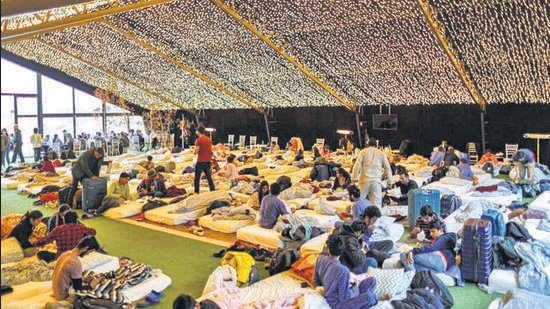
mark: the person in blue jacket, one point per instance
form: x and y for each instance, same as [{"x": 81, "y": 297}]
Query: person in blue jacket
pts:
[
  {"x": 524, "y": 164},
  {"x": 335, "y": 279},
  {"x": 438, "y": 256},
  {"x": 465, "y": 170}
]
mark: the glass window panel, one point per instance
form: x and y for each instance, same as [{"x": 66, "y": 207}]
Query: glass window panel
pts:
[
  {"x": 27, "y": 106},
  {"x": 86, "y": 103},
  {"x": 136, "y": 123},
  {"x": 88, "y": 125},
  {"x": 26, "y": 125},
  {"x": 56, "y": 125},
  {"x": 111, "y": 108},
  {"x": 17, "y": 79},
  {"x": 117, "y": 124},
  {"x": 57, "y": 98},
  {"x": 7, "y": 112}
]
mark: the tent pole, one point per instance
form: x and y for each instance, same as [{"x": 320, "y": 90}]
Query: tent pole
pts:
[
  {"x": 358, "y": 130},
  {"x": 482, "y": 115},
  {"x": 267, "y": 129}
]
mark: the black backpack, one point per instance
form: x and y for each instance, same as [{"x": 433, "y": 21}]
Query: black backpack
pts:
[
  {"x": 284, "y": 182},
  {"x": 282, "y": 260},
  {"x": 504, "y": 254},
  {"x": 439, "y": 173},
  {"x": 517, "y": 232},
  {"x": 63, "y": 194},
  {"x": 429, "y": 279},
  {"x": 488, "y": 168},
  {"x": 249, "y": 171}
]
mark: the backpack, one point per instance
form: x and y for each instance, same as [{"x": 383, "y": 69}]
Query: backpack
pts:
[
  {"x": 518, "y": 232},
  {"x": 439, "y": 173},
  {"x": 488, "y": 168},
  {"x": 285, "y": 182},
  {"x": 63, "y": 195},
  {"x": 449, "y": 203},
  {"x": 429, "y": 279},
  {"x": 282, "y": 260},
  {"x": 249, "y": 171},
  {"x": 320, "y": 172},
  {"x": 49, "y": 188},
  {"x": 245, "y": 266},
  {"x": 504, "y": 254}
]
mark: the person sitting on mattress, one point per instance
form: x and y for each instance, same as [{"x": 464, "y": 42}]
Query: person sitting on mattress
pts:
[
  {"x": 23, "y": 231},
  {"x": 427, "y": 215},
  {"x": 117, "y": 193},
  {"x": 272, "y": 207},
  {"x": 354, "y": 254},
  {"x": 257, "y": 196},
  {"x": 147, "y": 164},
  {"x": 465, "y": 170},
  {"x": 231, "y": 170},
  {"x": 438, "y": 256},
  {"x": 66, "y": 237},
  {"x": 405, "y": 184},
  {"x": 58, "y": 218},
  {"x": 437, "y": 156},
  {"x": 450, "y": 158},
  {"x": 68, "y": 269},
  {"x": 152, "y": 185},
  {"x": 359, "y": 203},
  {"x": 342, "y": 180},
  {"x": 335, "y": 279},
  {"x": 376, "y": 249}
]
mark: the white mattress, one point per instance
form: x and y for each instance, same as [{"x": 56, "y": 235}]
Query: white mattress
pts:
[
  {"x": 314, "y": 245},
  {"x": 158, "y": 282},
  {"x": 448, "y": 188},
  {"x": 162, "y": 215},
  {"x": 128, "y": 209},
  {"x": 224, "y": 226},
  {"x": 531, "y": 226},
  {"x": 340, "y": 206},
  {"x": 500, "y": 200},
  {"x": 98, "y": 262},
  {"x": 7, "y": 183},
  {"x": 502, "y": 280},
  {"x": 542, "y": 203},
  {"x": 316, "y": 219},
  {"x": 485, "y": 179},
  {"x": 258, "y": 235},
  {"x": 396, "y": 231}
]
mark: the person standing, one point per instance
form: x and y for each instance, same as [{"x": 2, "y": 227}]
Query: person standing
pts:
[
  {"x": 367, "y": 171},
  {"x": 87, "y": 165},
  {"x": 17, "y": 144},
  {"x": 36, "y": 141},
  {"x": 5, "y": 147},
  {"x": 203, "y": 149}
]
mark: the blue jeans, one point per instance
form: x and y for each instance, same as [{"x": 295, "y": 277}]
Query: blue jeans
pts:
[
  {"x": 429, "y": 260},
  {"x": 362, "y": 268}
]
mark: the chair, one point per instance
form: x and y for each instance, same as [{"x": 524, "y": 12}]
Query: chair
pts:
[
  {"x": 230, "y": 140},
  {"x": 114, "y": 148},
  {"x": 77, "y": 147},
  {"x": 472, "y": 153},
  {"x": 509, "y": 151},
  {"x": 252, "y": 142},
  {"x": 242, "y": 140},
  {"x": 274, "y": 139},
  {"x": 320, "y": 141}
]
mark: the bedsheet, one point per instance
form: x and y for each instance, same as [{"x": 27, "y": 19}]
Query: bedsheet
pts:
[
  {"x": 163, "y": 215},
  {"x": 223, "y": 226},
  {"x": 316, "y": 219},
  {"x": 340, "y": 205},
  {"x": 503, "y": 280},
  {"x": 449, "y": 188},
  {"x": 542, "y": 203},
  {"x": 531, "y": 226},
  {"x": 504, "y": 198},
  {"x": 314, "y": 245},
  {"x": 258, "y": 235}
]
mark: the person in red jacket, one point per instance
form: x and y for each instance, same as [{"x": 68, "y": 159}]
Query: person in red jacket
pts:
[{"x": 203, "y": 149}]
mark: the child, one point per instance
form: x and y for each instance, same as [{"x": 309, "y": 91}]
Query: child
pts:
[{"x": 427, "y": 215}]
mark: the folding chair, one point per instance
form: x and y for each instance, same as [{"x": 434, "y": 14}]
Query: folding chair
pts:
[
  {"x": 472, "y": 153},
  {"x": 242, "y": 140},
  {"x": 509, "y": 151},
  {"x": 320, "y": 141},
  {"x": 230, "y": 140},
  {"x": 252, "y": 142}
]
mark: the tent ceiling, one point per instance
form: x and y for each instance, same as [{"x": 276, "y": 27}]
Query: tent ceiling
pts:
[{"x": 271, "y": 53}]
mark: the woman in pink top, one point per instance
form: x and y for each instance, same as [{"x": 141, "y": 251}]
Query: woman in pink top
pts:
[{"x": 231, "y": 170}]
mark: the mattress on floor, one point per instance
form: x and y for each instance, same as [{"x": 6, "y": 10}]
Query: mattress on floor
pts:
[
  {"x": 163, "y": 215},
  {"x": 340, "y": 206},
  {"x": 531, "y": 226},
  {"x": 317, "y": 219},
  {"x": 98, "y": 262},
  {"x": 445, "y": 188},
  {"x": 279, "y": 170},
  {"x": 258, "y": 235},
  {"x": 504, "y": 199},
  {"x": 158, "y": 282},
  {"x": 503, "y": 280},
  {"x": 395, "y": 210},
  {"x": 129, "y": 208},
  {"x": 485, "y": 179},
  {"x": 8, "y": 183},
  {"x": 314, "y": 245},
  {"x": 391, "y": 231},
  {"x": 224, "y": 226},
  {"x": 241, "y": 197},
  {"x": 542, "y": 203}
]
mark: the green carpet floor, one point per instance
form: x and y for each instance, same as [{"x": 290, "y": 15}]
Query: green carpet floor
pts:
[{"x": 187, "y": 262}]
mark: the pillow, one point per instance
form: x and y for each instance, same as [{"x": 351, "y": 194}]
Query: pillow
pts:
[
  {"x": 391, "y": 281},
  {"x": 325, "y": 208},
  {"x": 303, "y": 268}
]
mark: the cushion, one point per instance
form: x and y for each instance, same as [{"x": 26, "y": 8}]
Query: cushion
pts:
[
  {"x": 325, "y": 208},
  {"x": 304, "y": 267},
  {"x": 391, "y": 281}
]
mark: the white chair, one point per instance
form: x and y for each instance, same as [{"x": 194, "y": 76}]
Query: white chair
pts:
[
  {"x": 230, "y": 140},
  {"x": 77, "y": 147},
  {"x": 509, "y": 151},
  {"x": 472, "y": 153},
  {"x": 320, "y": 141},
  {"x": 242, "y": 140},
  {"x": 114, "y": 148},
  {"x": 252, "y": 142},
  {"x": 274, "y": 139}
]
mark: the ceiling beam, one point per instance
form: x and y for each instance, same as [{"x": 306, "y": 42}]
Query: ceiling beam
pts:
[
  {"x": 113, "y": 75},
  {"x": 17, "y": 7},
  {"x": 250, "y": 25},
  {"x": 74, "y": 15},
  {"x": 202, "y": 77},
  {"x": 455, "y": 60}
]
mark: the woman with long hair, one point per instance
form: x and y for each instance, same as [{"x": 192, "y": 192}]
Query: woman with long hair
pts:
[
  {"x": 255, "y": 199},
  {"x": 23, "y": 230}
]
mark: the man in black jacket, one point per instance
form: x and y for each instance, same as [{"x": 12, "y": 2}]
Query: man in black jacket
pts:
[
  {"x": 353, "y": 256},
  {"x": 88, "y": 165}
]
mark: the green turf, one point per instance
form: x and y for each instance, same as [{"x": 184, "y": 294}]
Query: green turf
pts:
[{"x": 187, "y": 262}]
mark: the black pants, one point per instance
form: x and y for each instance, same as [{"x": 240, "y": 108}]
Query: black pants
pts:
[
  {"x": 37, "y": 154},
  {"x": 74, "y": 188},
  {"x": 17, "y": 151},
  {"x": 379, "y": 251},
  {"x": 201, "y": 167}
]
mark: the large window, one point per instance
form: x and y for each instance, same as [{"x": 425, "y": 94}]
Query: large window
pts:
[
  {"x": 86, "y": 103},
  {"x": 7, "y": 112},
  {"x": 17, "y": 79},
  {"x": 26, "y": 106},
  {"x": 57, "y": 98},
  {"x": 111, "y": 108},
  {"x": 89, "y": 125},
  {"x": 56, "y": 125},
  {"x": 26, "y": 125}
]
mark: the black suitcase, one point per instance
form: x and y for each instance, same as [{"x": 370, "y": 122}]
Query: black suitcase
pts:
[
  {"x": 477, "y": 253},
  {"x": 93, "y": 192}
]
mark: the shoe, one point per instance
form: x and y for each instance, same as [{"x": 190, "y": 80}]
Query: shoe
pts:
[
  {"x": 220, "y": 253},
  {"x": 157, "y": 294},
  {"x": 152, "y": 299},
  {"x": 199, "y": 231}
]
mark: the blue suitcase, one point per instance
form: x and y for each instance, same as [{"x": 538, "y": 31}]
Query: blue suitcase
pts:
[
  {"x": 449, "y": 203},
  {"x": 420, "y": 197},
  {"x": 544, "y": 185},
  {"x": 477, "y": 252},
  {"x": 93, "y": 192},
  {"x": 498, "y": 228}
]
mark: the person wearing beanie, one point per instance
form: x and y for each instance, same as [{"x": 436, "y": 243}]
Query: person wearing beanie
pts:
[{"x": 87, "y": 165}]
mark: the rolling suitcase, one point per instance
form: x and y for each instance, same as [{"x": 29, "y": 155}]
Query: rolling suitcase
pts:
[
  {"x": 93, "y": 192},
  {"x": 498, "y": 228},
  {"x": 477, "y": 252},
  {"x": 420, "y": 197},
  {"x": 449, "y": 203}
]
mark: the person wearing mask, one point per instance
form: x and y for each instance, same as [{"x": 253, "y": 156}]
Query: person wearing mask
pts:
[
  {"x": 255, "y": 199},
  {"x": 354, "y": 254},
  {"x": 68, "y": 269},
  {"x": 272, "y": 207},
  {"x": 17, "y": 145},
  {"x": 367, "y": 171},
  {"x": 342, "y": 180},
  {"x": 88, "y": 165},
  {"x": 23, "y": 231},
  {"x": 335, "y": 278},
  {"x": 203, "y": 150},
  {"x": 405, "y": 184},
  {"x": 36, "y": 142},
  {"x": 5, "y": 147},
  {"x": 152, "y": 185},
  {"x": 438, "y": 256}
]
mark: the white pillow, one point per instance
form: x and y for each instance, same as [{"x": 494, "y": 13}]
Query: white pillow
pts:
[
  {"x": 325, "y": 208},
  {"x": 391, "y": 281}
]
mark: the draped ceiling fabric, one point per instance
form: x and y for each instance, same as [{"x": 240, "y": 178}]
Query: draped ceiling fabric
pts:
[{"x": 197, "y": 54}]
